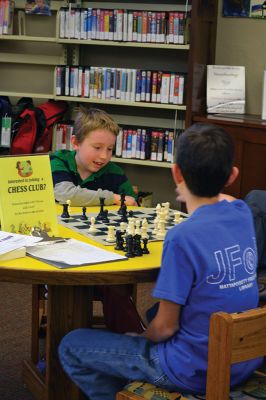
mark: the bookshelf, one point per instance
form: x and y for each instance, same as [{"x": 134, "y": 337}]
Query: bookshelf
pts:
[
  {"x": 249, "y": 135},
  {"x": 26, "y": 58}
]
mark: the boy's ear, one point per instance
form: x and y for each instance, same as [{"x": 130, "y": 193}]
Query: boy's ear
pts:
[
  {"x": 177, "y": 174},
  {"x": 233, "y": 176},
  {"x": 74, "y": 142}
]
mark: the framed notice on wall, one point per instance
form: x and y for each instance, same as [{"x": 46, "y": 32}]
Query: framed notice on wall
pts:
[
  {"x": 225, "y": 89},
  {"x": 27, "y": 204}
]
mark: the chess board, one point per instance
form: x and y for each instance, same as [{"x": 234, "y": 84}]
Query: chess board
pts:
[{"x": 78, "y": 225}]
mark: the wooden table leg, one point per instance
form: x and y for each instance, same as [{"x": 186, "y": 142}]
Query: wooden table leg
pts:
[{"x": 69, "y": 307}]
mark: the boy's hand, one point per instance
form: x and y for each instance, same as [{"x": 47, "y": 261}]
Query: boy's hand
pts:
[{"x": 130, "y": 201}]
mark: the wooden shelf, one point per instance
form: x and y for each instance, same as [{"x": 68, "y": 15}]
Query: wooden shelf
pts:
[
  {"x": 146, "y": 163},
  {"x": 25, "y": 94},
  {"x": 125, "y": 44},
  {"x": 30, "y": 59},
  {"x": 25, "y": 38},
  {"x": 122, "y": 103}
]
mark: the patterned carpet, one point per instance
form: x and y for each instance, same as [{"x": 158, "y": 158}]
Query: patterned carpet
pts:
[{"x": 15, "y": 312}]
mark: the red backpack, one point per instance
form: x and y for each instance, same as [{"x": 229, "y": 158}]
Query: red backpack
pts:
[{"x": 33, "y": 130}]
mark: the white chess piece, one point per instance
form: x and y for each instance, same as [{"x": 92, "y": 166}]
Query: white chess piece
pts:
[
  {"x": 69, "y": 204},
  {"x": 156, "y": 224},
  {"x": 123, "y": 226},
  {"x": 111, "y": 234},
  {"x": 158, "y": 208},
  {"x": 161, "y": 230},
  {"x": 137, "y": 228},
  {"x": 166, "y": 209},
  {"x": 178, "y": 218},
  {"x": 92, "y": 228},
  {"x": 131, "y": 227},
  {"x": 144, "y": 232}
]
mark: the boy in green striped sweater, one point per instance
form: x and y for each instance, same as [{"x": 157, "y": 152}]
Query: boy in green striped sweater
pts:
[{"x": 85, "y": 174}]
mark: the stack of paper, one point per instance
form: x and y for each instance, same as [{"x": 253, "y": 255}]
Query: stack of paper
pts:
[
  {"x": 70, "y": 252},
  {"x": 13, "y": 245}
]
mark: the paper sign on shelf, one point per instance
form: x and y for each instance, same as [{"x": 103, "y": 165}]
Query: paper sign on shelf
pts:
[{"x": 225, "y": 89}]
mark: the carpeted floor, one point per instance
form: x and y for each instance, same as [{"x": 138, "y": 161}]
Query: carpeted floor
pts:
[{"x": 15, "y": 312}]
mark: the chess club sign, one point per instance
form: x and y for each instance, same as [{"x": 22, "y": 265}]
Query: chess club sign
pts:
[{"x": 27, "y": 201}]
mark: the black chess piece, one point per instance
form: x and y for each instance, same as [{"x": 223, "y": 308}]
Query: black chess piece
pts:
[
  {"x": 105, "y": 218},
  {"x": 122, "y": 203},
  {"x": 124, "y": 214},
  {"x": 84, "y": 216},
  {"x": 131, "y": 213},
  {"x": 145, "y": 249},
  {"x": 101, "y": 213},
  {"x": 137, "y": 246},
  {"x": 119, "y": 240},
  {"x": 130, "y": 246},
  {"x": 65, "y": 213}
]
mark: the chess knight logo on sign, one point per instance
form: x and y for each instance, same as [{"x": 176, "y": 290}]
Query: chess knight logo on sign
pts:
[{"x": 24, "y": 168}]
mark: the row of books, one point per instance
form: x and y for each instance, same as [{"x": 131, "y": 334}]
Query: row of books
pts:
[
  {"x": 132, "y": 142},
  {"x": 132, "y": 85},
  {"x": 146, "y": 144},
  {"x": 123, "y": 25},
  {"x": 6, "y": 16}
]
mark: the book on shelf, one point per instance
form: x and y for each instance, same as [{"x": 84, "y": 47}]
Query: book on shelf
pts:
[{"x": 6, "y": 17}]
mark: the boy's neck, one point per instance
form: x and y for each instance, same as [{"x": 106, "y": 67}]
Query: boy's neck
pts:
[{"x": 194, "y": 202}]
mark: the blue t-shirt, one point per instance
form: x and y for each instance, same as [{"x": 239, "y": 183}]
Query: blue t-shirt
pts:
[{"x": 209, "y": 264}]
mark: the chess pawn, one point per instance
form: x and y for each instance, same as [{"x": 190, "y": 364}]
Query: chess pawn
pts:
[
  {"x": 178, "y": 217},
  {"x": 92, "y": 228},
  {"x": 111, "y": 234}
]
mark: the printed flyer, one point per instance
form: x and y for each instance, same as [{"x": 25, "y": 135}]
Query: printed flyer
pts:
[
  {"x": 226, "y": 89},
  {"x": 27, "y": 204}
]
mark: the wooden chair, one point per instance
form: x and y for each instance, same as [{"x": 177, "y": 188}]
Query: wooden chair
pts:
[{"x": 233, "y": 338}]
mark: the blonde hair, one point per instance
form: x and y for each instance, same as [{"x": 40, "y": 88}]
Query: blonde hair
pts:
[{"x": 88, "y": 120}]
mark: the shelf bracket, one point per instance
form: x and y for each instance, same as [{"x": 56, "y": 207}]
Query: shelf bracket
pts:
[{"x": 21, "y": 23}]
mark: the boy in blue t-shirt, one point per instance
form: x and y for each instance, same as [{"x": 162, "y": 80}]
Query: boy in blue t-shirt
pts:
[{"x": 208, "y": 264}]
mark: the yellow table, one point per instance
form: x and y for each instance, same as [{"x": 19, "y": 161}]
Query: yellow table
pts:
[{"x": 70, "y": 305}]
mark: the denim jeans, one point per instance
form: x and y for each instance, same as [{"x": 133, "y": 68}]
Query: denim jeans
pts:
[{"x": 101, "y": 362}]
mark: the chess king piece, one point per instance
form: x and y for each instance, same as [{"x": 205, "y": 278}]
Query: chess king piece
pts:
[
  {"x": 101, "y": 214},
  {"x": 122, "y": 203}
]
